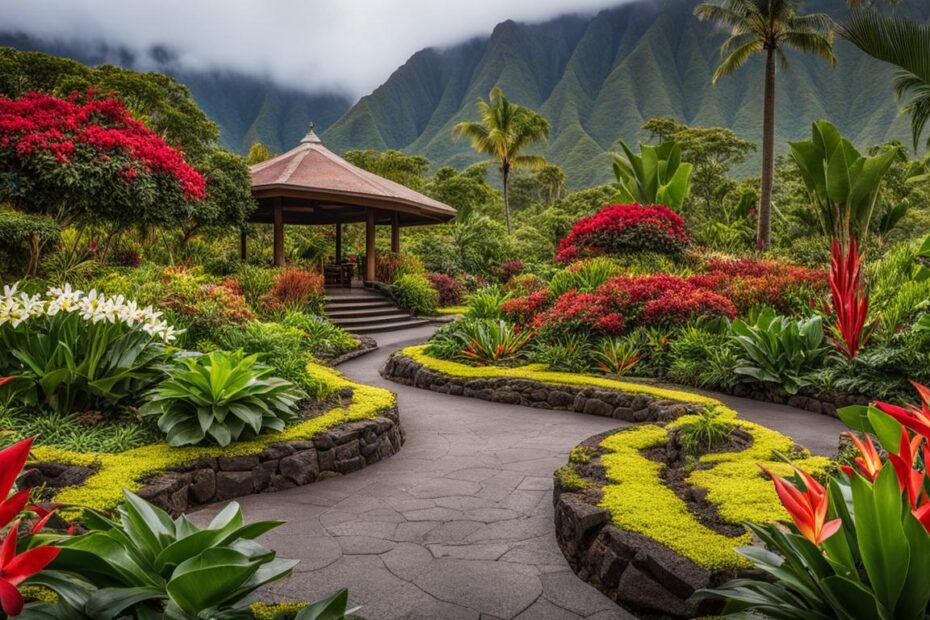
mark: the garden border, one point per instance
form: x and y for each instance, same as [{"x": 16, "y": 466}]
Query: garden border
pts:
[{"x": 343, "y": 439}]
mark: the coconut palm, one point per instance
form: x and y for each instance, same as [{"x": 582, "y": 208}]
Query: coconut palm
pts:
[
  {"x": 504, "y": 131},
  {"x": 767, "y": 27},
  {"x": 904, "y": 43}
]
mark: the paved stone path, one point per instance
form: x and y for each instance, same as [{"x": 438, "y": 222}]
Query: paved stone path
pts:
[{"x": 459, "y": 524}]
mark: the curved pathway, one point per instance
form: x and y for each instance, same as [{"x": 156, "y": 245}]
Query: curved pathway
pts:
[{"x": 459, "y": 524}]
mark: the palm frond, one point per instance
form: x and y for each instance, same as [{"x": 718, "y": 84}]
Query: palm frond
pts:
[
  {"x": 737, "y": 59},
  {"x": 722, "y": 14},
  {"x": 528, "y": 161},
  {"x": 810, "y": 43}
]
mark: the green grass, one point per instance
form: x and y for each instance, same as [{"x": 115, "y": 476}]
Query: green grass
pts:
[{"x": 66, "y": 431}]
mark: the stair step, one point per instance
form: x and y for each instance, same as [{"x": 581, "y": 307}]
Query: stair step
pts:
[
  {"x": 371, "y": 320},
  {"x": 353, "y": 297},
  {"x": 373, "y": 303},
  {"x": 390, "y": 327},
  {"x": 353, "y": 313}
]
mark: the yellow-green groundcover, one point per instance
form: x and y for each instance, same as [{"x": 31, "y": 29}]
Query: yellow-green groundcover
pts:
[
  {"x": 103, "y": 490},
  {"x": 635, "y": 495}
]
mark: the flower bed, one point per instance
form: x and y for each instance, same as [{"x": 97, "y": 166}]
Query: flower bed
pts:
[
  {"x": 630, "y": 518},
  {"x": 343, "y": 439}
]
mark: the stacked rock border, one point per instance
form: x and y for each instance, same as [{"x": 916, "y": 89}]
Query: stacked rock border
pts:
[{"x": 530, "y": 393}]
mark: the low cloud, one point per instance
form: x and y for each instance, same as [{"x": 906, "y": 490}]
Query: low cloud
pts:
[{"x": 348, "y": 46}]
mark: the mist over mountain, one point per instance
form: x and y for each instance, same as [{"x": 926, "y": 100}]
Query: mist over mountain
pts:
[
  {"x": 247, "y": 108},
  {"x": 596, "y": 78}
]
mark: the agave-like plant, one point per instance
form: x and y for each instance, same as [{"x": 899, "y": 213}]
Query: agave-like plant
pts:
[
  {"x": 222, "y": 396},
  {"x": 493, "y": 342},
  {"x": 616, "y": 356}
]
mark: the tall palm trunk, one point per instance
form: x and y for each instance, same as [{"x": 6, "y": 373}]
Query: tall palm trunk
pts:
[
  {"x": 505, "y": 176},
  {"x": 764, "y": 236}
]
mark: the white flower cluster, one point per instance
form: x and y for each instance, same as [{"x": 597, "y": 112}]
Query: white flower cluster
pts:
[{"x": 17, "y": 307}]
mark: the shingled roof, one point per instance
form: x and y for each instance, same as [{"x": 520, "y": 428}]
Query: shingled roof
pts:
[{"x": 320, "y": 187}]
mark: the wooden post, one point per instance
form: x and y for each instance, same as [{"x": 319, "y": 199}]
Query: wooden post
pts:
[
  {"x": 278, "y": 234},
  {"x": 395, "y": 232},
  {"x": 370, "y": 246},
  {"x": 338, "y": 244},
  {"x": 242, "y": 245}
]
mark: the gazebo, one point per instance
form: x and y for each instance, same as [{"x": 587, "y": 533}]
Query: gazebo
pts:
[{"x": 311, "y": 185}]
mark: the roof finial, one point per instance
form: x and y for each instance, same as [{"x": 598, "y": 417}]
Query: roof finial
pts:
[{"x": 311, "y": 136}]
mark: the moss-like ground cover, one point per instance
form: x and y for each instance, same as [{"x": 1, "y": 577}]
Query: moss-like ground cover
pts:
[
  {"x": 635, "y": 495},
  {"x": 103, "y": 490}
]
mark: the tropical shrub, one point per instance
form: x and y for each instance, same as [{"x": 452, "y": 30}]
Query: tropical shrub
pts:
[
  {"x": 143, "y": 564},
  {"x": 221, "y": 397},
  {"x": 522, "y": 310},
  {"x": 523, "y": 284},
  {"x": 616, "y": 356},
  {"x": 493, "y": 342},
  {"x": 842, "y": 184},
  {"x": 322, "y": 338},
  {"x": 619, "y": 229},
  {"x": 486, "y": 303},
  {"x": 21, "y": 557},
  {"x": 296, "y": 289},
  {"x": 22, "y": 237},
  {"x": 703, "y": 358},
  {"x": 81, "y": 158},
  {"x": 568, "y": 352},
  {"x": 585, "y": 276},
  {"x": 508, "y": 270},
  {"x": 779, "y": 352},
  {"x": 749, "y": 282},
  {"x": 255, "y": 283},
  {"x": 842, "y": 555},
  {"x": 656, "y": 176},
  {"x": 415, "y": 293},
  {"x": 849, "y": 300},
  {"x": 447, "y": 288},
  {"x": 389, "y": 266},
  {"x": 74, "y": 351}
]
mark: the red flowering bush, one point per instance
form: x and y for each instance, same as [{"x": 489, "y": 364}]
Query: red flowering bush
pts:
[
  {"x": 448, "y": 289},
  {"x": 84, "y": 156},
  {"x": 587, "y": 311},
  {"x": 617, "y": 229},
  {"x": 522, "y": 310},
  {"x": 749, "y": 282}
]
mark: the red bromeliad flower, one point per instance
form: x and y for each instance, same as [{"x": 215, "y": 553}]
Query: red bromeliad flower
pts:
[
  {"x": 849, "y": 299},
  {"x": 868, "y": 463},
  {"x": 911, "y": 480},
  {"x": 913, "y": 417},
  {"x": 16, "y": 568},
  {"x": 808, "y": 508}
]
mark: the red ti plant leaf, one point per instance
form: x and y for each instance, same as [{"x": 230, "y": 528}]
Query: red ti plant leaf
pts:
[
  {"x": 807, "y": 508},
  {"x": 849, "y": 300}
]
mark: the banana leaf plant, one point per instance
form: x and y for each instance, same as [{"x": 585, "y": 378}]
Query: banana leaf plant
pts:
[
  {"x": 843, "y": 185},
  {"x": 141, "y": 564},
  {"x": 778, "y": 351},
  {"x": 656, "y": 176}
]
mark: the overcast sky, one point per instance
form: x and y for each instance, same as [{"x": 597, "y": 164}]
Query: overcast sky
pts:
[{"x": 346, "y": 45}]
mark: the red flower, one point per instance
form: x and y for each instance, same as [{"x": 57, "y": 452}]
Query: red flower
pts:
[
  {"x": 619, "y": 228},
  {"x": 913, "y": 417},
  {"x": 868, "y": 463},
  {"x": 16, "y": 568},
  {"x": 808, "y": 508},
  {"x": 850, "y": 302}
]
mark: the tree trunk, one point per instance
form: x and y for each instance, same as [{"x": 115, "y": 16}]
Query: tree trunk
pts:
[
  {"x": 505, "y": 175},
  {"x": 764, "y": 236}
]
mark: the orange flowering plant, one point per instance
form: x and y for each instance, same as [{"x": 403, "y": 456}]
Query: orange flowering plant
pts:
[{"x": 857, "y": 546}]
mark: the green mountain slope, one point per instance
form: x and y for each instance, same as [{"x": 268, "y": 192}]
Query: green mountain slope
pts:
[
  {"x": 599, "y": 78},
  {"x": 246, "y": 108}
]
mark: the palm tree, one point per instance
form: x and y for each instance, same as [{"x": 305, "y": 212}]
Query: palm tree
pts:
[
  {"x": 767, "y": 27},
  {"x": 904, "y": 43},
  {"x": 504, "y": 131}
]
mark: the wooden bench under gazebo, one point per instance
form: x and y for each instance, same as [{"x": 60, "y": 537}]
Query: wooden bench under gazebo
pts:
[{"x": 311, "y": 185}]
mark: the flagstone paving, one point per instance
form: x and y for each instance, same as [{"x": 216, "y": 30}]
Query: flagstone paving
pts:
[{"x": 459, "y": 524}]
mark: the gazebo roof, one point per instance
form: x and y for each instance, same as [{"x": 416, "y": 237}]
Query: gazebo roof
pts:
[{"x": 316, "y": 186}]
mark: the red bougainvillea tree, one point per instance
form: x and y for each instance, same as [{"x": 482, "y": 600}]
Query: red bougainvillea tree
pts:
[
  {"x": 87, "y": 159},
  {"x": 625, "y": 228}
]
